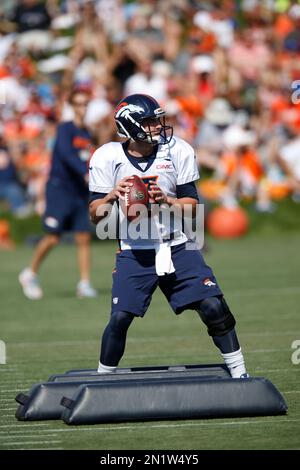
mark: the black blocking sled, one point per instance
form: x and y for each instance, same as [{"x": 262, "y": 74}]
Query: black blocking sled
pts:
[{"x": 149, "y": 393}]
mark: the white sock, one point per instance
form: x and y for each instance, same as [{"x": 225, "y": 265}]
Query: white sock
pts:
[
  {"x": 105, "y": 369},
  {"x": 30, "y": 272},
  {"x": 235, "y": 363}
]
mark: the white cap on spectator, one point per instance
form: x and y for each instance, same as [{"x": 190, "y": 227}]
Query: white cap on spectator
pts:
[
  {"x": 241, "y": 118},
  {"x": 61, "y": 43},
  {"x": 97, "y": 109},
  {"x": 5, "y": 44},
  {"x": 161, "y": 68},
  {"x": 236, "y": 136},
  {"x": 202, "y": 64},
  {"x": 65, "y": 21},
  {"x": 249, "y": 5},
  {"x": 294, "y": 12},
  {"x": 171, "y": 107},
  {"x": 203, "y": 20},
  {"x": 54, "y": 64},
  {"x": 219, "y": 112},
  {"x": 17, "y": 96},
  {"x": 67, "y": 112}
]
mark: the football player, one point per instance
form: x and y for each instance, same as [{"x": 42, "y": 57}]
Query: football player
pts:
[
  {"x": 168, "y": 165},
  {"x": 66, "y": 200}
]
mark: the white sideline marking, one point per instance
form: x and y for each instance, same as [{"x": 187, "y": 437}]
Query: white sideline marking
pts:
[
  {"x": 274, "y": 370},
  {"x": 13, "y": 376},
  {"x": 54, "y": 343},
  {"x": 183, "y": 425},
  {"x": 51, "y": 448},
  {"x": 40, "y": 448},
  {"x": 29, "y": 442},
  {"x": 22, "y": 426},
  {"x": 27, "y": 436},
  {"x": 269, "y": 333},
  {"x": 291, "y": 391},
  {"x": 20, "y": 388},
  {"x": 14, "y": 383},
  {"x": 266, "y": 350},
  {"x": 8, "y": 409},
  {"x": 17, "y": 379}
]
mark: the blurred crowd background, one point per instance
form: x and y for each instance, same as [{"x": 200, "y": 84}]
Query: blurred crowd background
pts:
[{"x": 225, "y": 71}]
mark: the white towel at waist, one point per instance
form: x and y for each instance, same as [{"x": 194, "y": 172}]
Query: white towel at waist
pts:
[{"x": 163, "y": 261}]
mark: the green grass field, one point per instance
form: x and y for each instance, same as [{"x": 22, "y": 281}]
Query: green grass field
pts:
[{"x": 260, "y": 278}]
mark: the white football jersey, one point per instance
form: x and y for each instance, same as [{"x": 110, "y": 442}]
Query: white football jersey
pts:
[{"x": 174, "y": 164}]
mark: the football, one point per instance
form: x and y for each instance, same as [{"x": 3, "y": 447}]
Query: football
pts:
[{"x": 138, "y": 194}]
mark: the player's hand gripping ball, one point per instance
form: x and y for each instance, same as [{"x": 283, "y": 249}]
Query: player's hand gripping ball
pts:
[{"x": 136, "y": 197}]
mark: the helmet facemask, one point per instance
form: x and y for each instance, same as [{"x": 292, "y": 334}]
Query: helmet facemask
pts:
[{"x": 145, "y": 134}]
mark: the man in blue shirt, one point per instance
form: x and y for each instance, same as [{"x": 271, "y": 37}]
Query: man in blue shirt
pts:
[{"x": 66, "y": 200}]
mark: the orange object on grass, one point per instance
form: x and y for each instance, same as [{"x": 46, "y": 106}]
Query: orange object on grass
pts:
[
  {"x": 212, "y": 189},
  {"x": 278, "y": 190},
  {"x": 4, "y": 229},
  {"x": 6, "y": 242},
  {"x": 228, "y": 223}
]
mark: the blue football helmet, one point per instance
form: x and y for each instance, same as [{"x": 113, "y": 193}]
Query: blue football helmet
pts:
[{"x": 130, "y": 114}]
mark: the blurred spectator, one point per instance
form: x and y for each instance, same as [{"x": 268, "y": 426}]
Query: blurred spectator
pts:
[
  {"x": 147, "y": 80},
  {"x": 249, "y": 55},
  {"x": 146, "y": 30},
  {"x": 10, "y": 189},
  {"x": 292, "y": 39},
  {"x": 179, "y": 120},
  {"x": 123, "y": 59},
  {"x": 290, "y": 159},
  {"x": 89, "y": 36},
  {"x": 241, "y": 169},
  {"x": 32, "y": 21},
  {"x": 209, "y": 139},
  {"x": 197, "y": 43},
  {"x": 35, "y": 165},
  {"x": 111, "y": 14},
  {"x": 238, "y": 173},
  {"x": 203, "y": 66}
]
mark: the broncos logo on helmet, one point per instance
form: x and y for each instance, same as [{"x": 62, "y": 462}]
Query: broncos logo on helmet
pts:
[
  {"x": 130, "y": 114},
  {"x": 125, "y": 110}
]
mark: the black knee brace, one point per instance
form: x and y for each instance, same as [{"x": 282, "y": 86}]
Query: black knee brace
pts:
[
  {"x": 215, "y": 313},
  {"x": 120, "y": 321}
]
